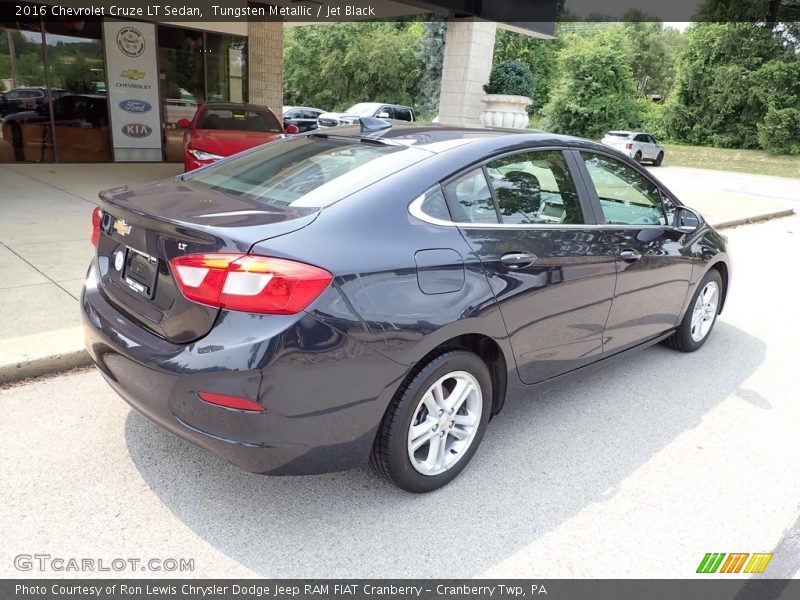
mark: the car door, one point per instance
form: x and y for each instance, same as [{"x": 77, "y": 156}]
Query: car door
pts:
[
  {"x": 550, "y": 269},
  {"x": 654, "y": 260}
]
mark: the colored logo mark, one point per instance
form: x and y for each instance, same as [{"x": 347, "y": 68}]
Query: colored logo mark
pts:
[
  {"x": 132, "y": 74},
  {"x": 714, "y": 562}
]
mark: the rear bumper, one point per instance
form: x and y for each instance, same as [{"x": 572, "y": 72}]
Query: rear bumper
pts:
[{"x": 324, "y": 394}]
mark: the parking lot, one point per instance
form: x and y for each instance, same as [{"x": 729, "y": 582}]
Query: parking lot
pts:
[{"x": 636, "y": 470}]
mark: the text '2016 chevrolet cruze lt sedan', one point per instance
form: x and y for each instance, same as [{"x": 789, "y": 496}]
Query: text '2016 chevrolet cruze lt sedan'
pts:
[{"x": 378, "y": 292}]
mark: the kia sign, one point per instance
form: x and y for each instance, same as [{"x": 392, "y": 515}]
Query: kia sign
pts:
[
  {"x": 135, "y": 106},
  {"x": 137, "y": 130},
  {"x": 132, "y": 76}
]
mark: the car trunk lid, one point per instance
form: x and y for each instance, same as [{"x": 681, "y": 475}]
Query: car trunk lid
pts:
[{"x": 144, "y": 227}]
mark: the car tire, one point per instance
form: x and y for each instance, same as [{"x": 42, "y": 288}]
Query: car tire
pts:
[
  {"x": 417, "y": 447},
  {"x": 701, "y": 315},
  {"x": 638, "y": 156},
  {"x": 659, "y": 159}
]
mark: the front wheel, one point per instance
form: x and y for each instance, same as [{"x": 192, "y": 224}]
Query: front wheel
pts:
[
  {"x": 435, "y": 423},
  {"x": 700, "y": 317},
  {"x": 659, "y": 159}
]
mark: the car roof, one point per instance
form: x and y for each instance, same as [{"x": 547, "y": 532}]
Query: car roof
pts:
[{"x": 437, "y": 137}]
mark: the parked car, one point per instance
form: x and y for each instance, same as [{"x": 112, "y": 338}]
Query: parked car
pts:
[
  {"x": 638, "y": 145},
  {"x": 380, "y": 293},
  {"x": 367, "y": 109},
  {"x": 220, "y": 129},
  {"x": 27, "y": 98},
  {"x": 303, "y": 117},
  {"x": 84, "y": 117}
]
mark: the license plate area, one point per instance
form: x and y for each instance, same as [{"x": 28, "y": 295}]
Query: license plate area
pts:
[{"x": 140, "y": 272}]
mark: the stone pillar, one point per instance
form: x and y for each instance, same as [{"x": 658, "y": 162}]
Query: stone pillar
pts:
[
  {"x": 468, "y": 51},
  {"x": 265, "y": 63}
]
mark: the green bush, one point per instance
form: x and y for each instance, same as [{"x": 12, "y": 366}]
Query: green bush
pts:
[
  {"x": 653, "y": 118},
  {"x": 779, "y": 132},
  {"x": 510, "y": 77}
]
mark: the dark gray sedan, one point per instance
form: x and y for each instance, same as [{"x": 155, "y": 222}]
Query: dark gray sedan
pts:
[{"x": 378, "y": 293}]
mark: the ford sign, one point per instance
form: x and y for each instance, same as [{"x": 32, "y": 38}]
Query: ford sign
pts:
[
  {"x": 137, "y": 130},
  {"x": 135, "y": 106}
]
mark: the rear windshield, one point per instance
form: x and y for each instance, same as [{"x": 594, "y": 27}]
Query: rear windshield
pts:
[
  {"x": 622, "y": 134},
  {"x": 308, "y": 171},
  {"x": 239, "y": 119}
]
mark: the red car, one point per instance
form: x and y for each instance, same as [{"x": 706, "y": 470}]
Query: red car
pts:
[{"x": 218, "y": 130}]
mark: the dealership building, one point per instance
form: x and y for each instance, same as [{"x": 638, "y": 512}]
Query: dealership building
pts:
[{"x": 126, "y": 81}]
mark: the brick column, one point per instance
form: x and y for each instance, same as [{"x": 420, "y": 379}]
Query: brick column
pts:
[
  {"x": 265, "y": 63},
  {"x": 468, "y": 51}
]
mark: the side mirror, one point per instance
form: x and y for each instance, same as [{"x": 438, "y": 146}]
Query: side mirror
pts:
[
  {"x": 184, "y": 123},
  {"x": 382, "y": 115},
  {"x": 292, "y": 129},
  {"x": 686, "y": 220}
]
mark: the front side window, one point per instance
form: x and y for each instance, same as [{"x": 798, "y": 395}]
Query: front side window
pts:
[
  {"x": 535, "y": 188},
  {"x": 307, "y": 172},
  {"x": 626, "y": 196}
]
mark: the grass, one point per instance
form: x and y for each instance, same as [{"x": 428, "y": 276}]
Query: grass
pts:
[{"x": 725, "y": 159}]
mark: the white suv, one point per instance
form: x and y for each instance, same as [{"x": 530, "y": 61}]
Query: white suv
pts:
[{"x": 636, "y": 144}]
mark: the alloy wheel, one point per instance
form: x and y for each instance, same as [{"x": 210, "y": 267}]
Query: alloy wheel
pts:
[
  {"x": 444, "y": 423},
  {"x": 705, "y": 311}
]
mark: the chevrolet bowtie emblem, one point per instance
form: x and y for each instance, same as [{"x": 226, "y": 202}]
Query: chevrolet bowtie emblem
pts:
[{"x": 122, "y": 227}]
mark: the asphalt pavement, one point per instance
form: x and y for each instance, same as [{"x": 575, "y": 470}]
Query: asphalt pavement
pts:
[{"x": 635, "y": 471}]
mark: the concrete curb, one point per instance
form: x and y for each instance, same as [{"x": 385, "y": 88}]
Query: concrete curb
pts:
[
  {"x": 755, "y": 219},
  {"x": 43, "y": 365}
]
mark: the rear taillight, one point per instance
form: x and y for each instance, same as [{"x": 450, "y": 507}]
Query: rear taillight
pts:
[
  {"x": 257, "y": 284},
  {"x": 628, "y": 146},
  {"x": 231, "y": 402},
  {"x": 97, "y": 217}
]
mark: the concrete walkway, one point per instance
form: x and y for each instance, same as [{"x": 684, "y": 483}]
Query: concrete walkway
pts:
[{"x": 45, "y": 215}]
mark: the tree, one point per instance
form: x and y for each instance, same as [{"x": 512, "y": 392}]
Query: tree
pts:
[
  {"x": 720, "y": 96},
  {"x": 595, "y": 89},
  {"x": 654, "y": 50},
  {"x": 431, "y": 55},
  {"x": 539, "y": 55},
  {"x": 334, "y": 66},
  {"x": 78, "y": 77}
]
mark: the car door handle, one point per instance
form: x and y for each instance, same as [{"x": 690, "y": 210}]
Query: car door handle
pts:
[
  {"x": 629, "y": 255},
  {"x": 515, "y": 260}
]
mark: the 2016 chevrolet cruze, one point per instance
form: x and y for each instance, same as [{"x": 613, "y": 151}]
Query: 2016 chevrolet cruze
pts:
[{"x": 378, "y": 292}]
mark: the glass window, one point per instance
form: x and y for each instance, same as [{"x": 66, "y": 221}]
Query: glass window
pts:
[
  {"x": 470, "y": 199},
  {"x": 307, "y": 172},
  {"x": 626, "y": 196},
  {"x": 73, "y": 84},
  {"x": 226, "y": 68},
  {"x": 535, "y": 188},
  {"x": 403, "y": 114},
  {"x": 238, "y": 119},
  {"x": 435, "y": 205}
]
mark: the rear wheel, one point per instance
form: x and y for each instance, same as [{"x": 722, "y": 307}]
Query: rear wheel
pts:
[
  {"x": 638, "y": 156},
  {"x": 699, "y": 319},
  {"x": 435, "y": 423},
  {"x": 659, "y": 159}
]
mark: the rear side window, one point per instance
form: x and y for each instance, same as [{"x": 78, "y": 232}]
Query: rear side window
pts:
[
  {"x": 470, "y": 199},
  {"x": 535, "y": 188},
  {"x": 307, "y": 171},
  {"x": 403, "y": 114},
  {"x": 626, "y": 196}
]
